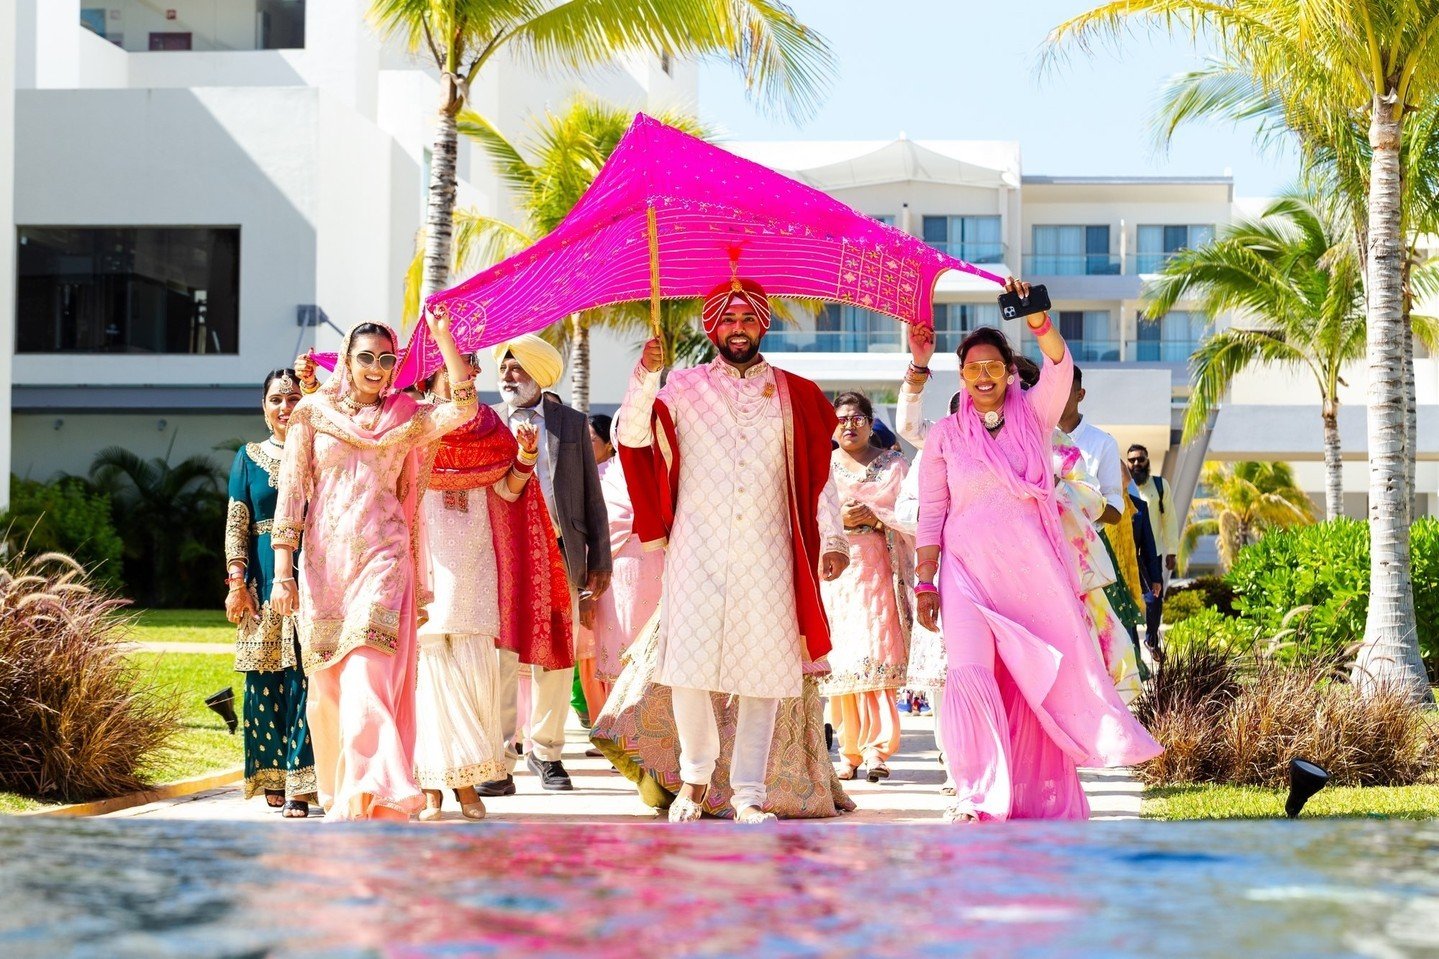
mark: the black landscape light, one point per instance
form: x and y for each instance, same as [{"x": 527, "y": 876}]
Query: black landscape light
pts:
[
  {"x": 223, "y": 703},
  {"x": 1305, "y": 779}
]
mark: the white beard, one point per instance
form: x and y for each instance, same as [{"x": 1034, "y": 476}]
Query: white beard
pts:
[{"x": 517, "y": 395}]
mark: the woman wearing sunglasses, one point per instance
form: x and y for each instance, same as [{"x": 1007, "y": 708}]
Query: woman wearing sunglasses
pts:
[
  {"x": 351, "y": 480},
  {"x": 1026, "y": 698},
  {"x": 868, "y": 603}
]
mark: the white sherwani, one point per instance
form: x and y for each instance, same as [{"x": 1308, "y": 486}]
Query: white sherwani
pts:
[{"x": 728, "y": 617}]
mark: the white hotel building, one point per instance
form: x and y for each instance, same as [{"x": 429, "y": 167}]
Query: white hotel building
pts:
[{"x": 193, "y": 190}]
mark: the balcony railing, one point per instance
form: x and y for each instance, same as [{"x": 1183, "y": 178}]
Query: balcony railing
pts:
[
  {"x": 1083, "y": 351},
  {"x": 1161, "y": 351},
  {"x": 1073, "y": 264},
  {"x": 834, "y": 341},
  {"x": 973, "y": 252}
]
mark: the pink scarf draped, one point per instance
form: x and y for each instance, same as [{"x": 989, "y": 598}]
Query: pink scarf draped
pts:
[{"x": 1035, "y": 477}]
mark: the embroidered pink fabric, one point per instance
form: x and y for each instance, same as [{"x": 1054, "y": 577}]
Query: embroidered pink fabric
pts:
[{"x": 714, "y": 212}]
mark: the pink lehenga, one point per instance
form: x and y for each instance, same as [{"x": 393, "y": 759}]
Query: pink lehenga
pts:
[
  {"x": 869, "y": 616},
  {"x": 1027, "y": 699},
  {"x": 350, "y": 486}
]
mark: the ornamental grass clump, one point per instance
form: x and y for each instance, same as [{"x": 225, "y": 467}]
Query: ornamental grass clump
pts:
[
  {"x": 1239, "y": 720},
  {"x": 75, "y": 721}
]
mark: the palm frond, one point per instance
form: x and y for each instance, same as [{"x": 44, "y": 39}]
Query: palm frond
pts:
[{"x": 786, "y": 66}]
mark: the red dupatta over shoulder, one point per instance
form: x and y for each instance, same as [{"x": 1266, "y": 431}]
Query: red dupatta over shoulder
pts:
[
  {"x": 652, "y": 474},
  {"x": 535, "y": 615}
]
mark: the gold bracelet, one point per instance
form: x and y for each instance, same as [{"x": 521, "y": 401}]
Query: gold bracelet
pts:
[{"x": 307, "y": 388}]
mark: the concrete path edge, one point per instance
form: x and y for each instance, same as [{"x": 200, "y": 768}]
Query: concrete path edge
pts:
[{"x": 174, "y": 790}]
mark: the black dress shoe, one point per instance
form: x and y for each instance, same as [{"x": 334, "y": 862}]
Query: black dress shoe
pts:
[
  {"x": 497, "y": 787},
  {"x": 552, "y": 773}
]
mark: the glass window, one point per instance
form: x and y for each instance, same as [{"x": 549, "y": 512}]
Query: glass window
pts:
[
  {"x": 128, "y": 290},
  {"x": 976, "y": 239},
  {"x": 1072, "y": 251},
  {"x": 1157, "y": 243},
  {"x": 886, "y": 218},
  {"x": 953, "y": 320},
  {"x": 1089, "y": 335},
  {"x": 1171, "y": 338},
  {"x": 138, "y": 25}
]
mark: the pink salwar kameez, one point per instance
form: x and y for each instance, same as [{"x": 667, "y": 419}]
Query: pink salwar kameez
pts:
[
  {"x": 1027, "y": 699},
  {"x": 351, "y": 487}
]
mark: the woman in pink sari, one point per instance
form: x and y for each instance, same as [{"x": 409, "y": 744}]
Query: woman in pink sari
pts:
[
  {"x": 1027, "y": 699},
  {"x": 868, "y": 604},
  {"x": 352, "y": 478}
]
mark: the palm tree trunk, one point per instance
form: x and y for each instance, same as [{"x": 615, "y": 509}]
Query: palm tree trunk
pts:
[
  {"x": 1389, "y": 656},
  {"x": 1333, "y": 464},
  {"x": 580, "y": 365},
  {"x": 1411, "y": 402},
  {"x": 440, "y": 212}
]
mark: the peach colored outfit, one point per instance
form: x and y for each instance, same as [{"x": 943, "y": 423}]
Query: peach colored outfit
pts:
[
  {"x": 869, "y": 615},
  {"x": 351, "y": 487}
]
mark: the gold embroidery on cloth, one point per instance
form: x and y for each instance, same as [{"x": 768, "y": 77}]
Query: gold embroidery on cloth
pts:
[
  {"x": 262, "y": 527},
  {"x": 267, "y": 645},
  {"x": 237, "y": 533},
  {"x": 326, "y": 641},
  {"x": 270, "y": 464},
  {"x": 286, "y": 534}
]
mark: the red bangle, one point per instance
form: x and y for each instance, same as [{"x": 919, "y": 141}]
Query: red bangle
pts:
[
  {"x": 922, "y": 587},
  {"x": 1042, "y": 328},
  {"x": 524, "y": 469}
]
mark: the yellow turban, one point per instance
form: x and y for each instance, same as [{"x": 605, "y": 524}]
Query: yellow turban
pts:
[{"x": 542, "y": 361}]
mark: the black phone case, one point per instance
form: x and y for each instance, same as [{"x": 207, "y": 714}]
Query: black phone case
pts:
[{"x": 1012, "y": 306}]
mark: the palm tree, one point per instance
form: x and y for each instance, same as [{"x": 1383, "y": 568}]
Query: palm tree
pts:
[
  {"x": 169, "y": 517},
  {"x": 1243, "y": 501},
  {"x": 1299, "y": 283},
  {"x": 1341, "y": 75},
  {"x": 783, "y": 62}
]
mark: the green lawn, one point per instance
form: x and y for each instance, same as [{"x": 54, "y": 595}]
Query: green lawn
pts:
[
  {"x": 181, "y": 626},
  {"x": 1252, "y": 802},
  {"x": 203, "y": 744}
]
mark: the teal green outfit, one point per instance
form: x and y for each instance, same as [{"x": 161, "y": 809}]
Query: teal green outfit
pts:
[{"x": 278, "y": 755}]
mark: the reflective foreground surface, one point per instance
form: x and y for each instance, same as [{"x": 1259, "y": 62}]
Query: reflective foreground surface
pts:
[{"x": 1271, "y": 888}]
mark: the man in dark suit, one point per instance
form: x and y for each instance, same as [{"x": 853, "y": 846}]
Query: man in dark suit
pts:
[{"x": 528, "y": 366}]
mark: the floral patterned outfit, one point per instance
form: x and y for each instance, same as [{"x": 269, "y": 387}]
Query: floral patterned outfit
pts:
[
  {"x": 351, "y": 483},
  {"x": 869, "y": 614}
]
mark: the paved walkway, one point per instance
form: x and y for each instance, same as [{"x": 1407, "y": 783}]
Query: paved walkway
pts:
[{"x": 911, "y": 794}]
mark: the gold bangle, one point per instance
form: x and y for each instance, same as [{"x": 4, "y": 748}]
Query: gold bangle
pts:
[{"x": 312, "y": 387}]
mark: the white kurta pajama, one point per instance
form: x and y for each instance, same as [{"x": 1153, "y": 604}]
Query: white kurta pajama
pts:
[{"x": 728, "y": 619}]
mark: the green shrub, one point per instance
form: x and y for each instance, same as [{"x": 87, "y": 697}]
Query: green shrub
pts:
[
  {"x": 1212, "y": 591},
  {"x": 67, "y": 516},
  {"x": 1209, "y": 629},
  {"x": 1182, "y": 604}
]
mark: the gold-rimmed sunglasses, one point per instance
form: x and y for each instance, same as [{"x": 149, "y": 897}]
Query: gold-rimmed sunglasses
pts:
[
  {"x": 994, "y": 369},
  {"x": 386, "y": 361}
]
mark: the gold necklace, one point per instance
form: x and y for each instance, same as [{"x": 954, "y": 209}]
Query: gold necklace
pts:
[{"x": 353, "y": 407}]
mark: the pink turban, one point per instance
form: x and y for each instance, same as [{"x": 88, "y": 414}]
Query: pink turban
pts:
[{"x": 719, "y": 299}]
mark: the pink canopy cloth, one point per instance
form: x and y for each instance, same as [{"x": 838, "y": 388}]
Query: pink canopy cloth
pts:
[{"x": 670, "y": 204}]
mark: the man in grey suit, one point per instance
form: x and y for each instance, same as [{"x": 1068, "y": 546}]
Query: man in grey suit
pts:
[{"x": 528, "y": 366}]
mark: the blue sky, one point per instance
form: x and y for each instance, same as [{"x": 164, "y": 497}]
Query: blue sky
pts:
[{"x": 961, "y": 69}]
